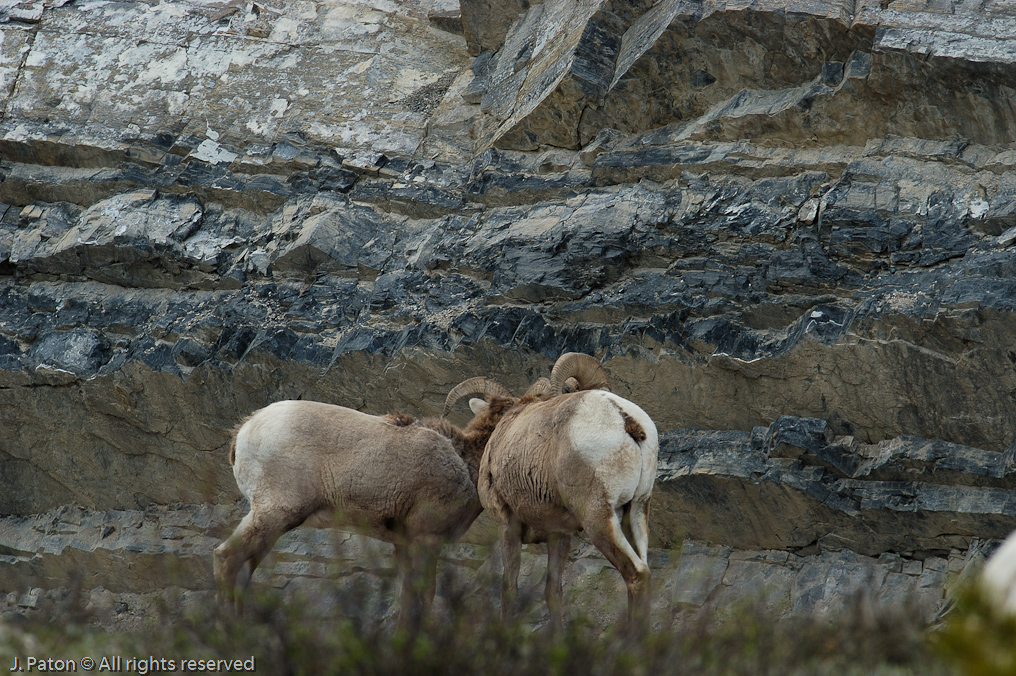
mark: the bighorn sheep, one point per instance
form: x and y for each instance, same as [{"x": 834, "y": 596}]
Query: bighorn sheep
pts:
[
  {"x": 411, "y": 483},
  {"x": 572, "y": 462}
]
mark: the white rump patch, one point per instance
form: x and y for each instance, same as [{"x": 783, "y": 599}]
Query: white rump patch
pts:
[{"x": 627, "y": 468}]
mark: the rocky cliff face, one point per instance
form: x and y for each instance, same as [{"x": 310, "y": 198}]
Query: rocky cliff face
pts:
[{"x": 786, "y": 223}]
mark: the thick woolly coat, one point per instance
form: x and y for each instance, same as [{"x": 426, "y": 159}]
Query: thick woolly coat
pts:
[{"x": 547, "y": 461}]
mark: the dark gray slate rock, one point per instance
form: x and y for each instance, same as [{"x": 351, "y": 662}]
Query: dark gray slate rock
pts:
[{"x": 786, "y": 486}]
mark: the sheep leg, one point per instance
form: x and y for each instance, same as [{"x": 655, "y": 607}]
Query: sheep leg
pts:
[
  {"x": 607, "y": 535},
  {"x": 429, "y": 554},
  {"x": 417, "y": 567},
  {"x": 511, "y": 556},
  {"x": 558, "y": 545},
  {"x": 247, "y": 547},
  {"x": 247, "y": 573},
  {"x": 227, "y": 562},
  {"x": 408, "y": 612},
  {"x": 639, "y": 522}
]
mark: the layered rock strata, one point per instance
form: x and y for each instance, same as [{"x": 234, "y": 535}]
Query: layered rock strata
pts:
[
  {"x": 796, "y": 73},
  {"x": 746, "y": 212},
  {"x": 809, "y": 522}
]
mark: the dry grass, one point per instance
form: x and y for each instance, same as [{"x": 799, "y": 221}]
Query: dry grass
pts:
[{"x": 289, "y": 637}]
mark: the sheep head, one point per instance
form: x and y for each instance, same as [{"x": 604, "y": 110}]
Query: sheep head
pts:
[
  {"x": 541, "y": 388},
  {"x": 572, "y": 371},
  {"x": 577, "y": 371},
  {"x": 481, "y": 385}
]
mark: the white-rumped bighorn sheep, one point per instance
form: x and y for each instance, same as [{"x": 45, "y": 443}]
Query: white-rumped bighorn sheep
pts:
[
  {"x": 580, "y": 461},
  {"x": 408, "y": 482}
]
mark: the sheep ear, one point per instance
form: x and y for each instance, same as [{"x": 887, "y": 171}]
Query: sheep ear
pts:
[{"x": 478, "y": 406}]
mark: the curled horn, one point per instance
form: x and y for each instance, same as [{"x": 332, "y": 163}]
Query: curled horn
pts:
[
  {"x": 538, "y": 389},
  {"x": 479, "y": 385},
  {"x": 586, "y": 373}
]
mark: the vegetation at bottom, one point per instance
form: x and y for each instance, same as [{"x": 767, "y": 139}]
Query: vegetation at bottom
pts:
[
  {"x": 976, "y": 636},
  {"x": 463, "y": 637}
]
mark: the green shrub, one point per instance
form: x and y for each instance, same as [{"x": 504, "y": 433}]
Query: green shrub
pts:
[
  {"x": 464, "y": 637},
  {"x": 977, "y": 637}
]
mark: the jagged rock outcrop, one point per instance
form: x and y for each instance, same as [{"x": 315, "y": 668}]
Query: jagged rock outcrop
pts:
[
  {"x": 747, "y": 212},
  {"x": 798, "y": 73}
]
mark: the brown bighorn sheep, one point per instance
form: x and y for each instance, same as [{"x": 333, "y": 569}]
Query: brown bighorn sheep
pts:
[
  {"x": 573, "y": 462},
  {"x": 408, "y": 482}
]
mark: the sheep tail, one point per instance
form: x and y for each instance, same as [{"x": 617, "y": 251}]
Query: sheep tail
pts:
[
  {"x": 232, "y": 441},
  {"x": 632, "y": 427}
]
